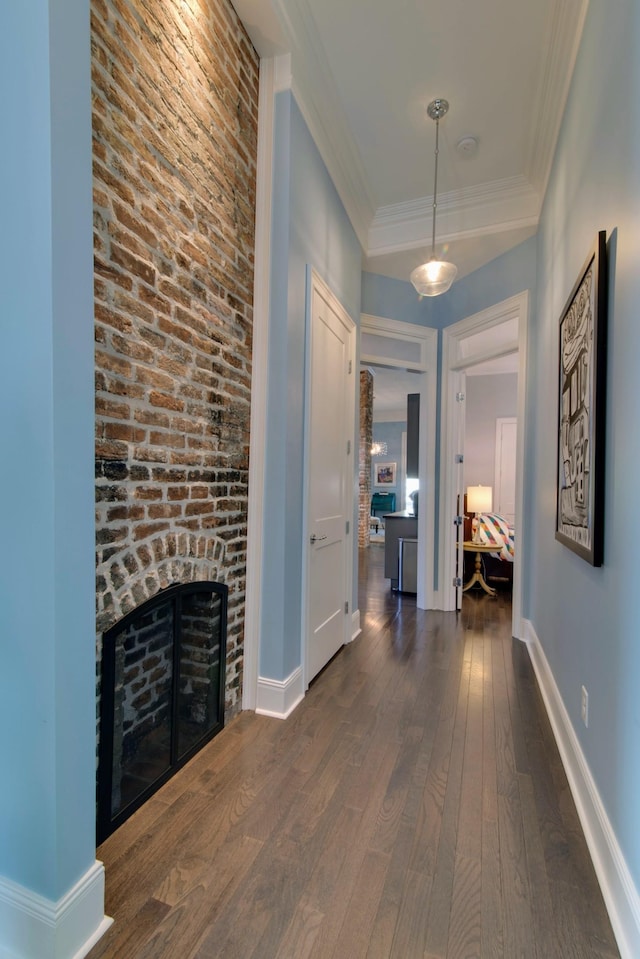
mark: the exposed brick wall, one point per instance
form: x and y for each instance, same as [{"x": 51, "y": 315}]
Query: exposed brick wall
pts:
[
  {"x": 364, "y": 471},
  {"x": 175, "y": 102}
]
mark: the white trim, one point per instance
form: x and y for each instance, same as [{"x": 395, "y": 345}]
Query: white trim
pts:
[
  {"x": 618, "y": 889},
  {"x": 318, "y": 98},
  {"x": 493, "y": 207},
  {"x": 425, "y": 341},
  {"x": 514, "y": 308},
  {"x": 279, "y": 697},
  {"x": 561, "y": 46},
  {"x": 271, "y": 72},
  {"x": 32, "y": 926},
  {"x": 355, "y": 625},
  {"x": 288, "y": 25}
]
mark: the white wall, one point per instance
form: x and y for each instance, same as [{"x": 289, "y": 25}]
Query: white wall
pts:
[{"x": 487, "y": 398}]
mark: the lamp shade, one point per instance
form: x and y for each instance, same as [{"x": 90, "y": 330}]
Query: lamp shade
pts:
[
  {"x": 479, "y": 499},
  {"x": 433, "y": 277}
]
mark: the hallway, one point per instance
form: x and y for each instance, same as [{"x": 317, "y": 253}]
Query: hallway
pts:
[{"x": 413, "y": 806}]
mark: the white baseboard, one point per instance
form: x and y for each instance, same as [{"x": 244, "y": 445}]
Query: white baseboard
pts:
[
  {"x": 32, "y": 927},
  {"x": 355, "y": 625},
  {"x": 279, "y": 697},
  {"x": 618, "y": 889}
]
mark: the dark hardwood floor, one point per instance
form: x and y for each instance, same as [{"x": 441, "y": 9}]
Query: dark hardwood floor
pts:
[{"x": 414, "y": 806}]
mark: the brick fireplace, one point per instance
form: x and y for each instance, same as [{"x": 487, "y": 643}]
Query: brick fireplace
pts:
[{"x": 175, "y": 95}]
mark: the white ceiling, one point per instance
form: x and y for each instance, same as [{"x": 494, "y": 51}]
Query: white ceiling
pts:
[{"x": 363, "y": 72}]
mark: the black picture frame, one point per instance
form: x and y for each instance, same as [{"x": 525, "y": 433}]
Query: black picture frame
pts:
[{"x": 581, "y": 410}]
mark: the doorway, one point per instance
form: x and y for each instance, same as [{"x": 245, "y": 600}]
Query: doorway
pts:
[
  {"x": 394, "y": 345},
  {"x": 487, "y": 337}
]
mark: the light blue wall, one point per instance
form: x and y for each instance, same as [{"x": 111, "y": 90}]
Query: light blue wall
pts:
[
  {"x": 503, "y": 277},
  {"x": 585, "y": 618},
  {"x": 310, "y": 228},
  {"x": 398, "y": 300},
  {"x": 506, "y": 276},
  {"x": 47, "y": 615}
]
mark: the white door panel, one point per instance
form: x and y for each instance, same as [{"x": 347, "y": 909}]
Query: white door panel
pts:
[{"x": 330, "y": 420}]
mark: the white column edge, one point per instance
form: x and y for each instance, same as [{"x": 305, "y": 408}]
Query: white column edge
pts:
[
  {"x": 279, "y": 697},
  {"x": 31, "y": 925},
  {"x": 269, "y": 71}
]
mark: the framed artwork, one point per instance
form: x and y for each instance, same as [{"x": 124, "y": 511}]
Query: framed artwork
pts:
[
  {"x": 581, "y": 410},
  {"x": 385, "y": 474}
]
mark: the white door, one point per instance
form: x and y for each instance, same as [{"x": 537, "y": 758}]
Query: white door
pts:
[
  {"x": 504, "y": 501},
  {"x": 330, "y": 431}
]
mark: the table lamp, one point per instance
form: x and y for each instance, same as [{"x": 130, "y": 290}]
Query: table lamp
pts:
[{"x": 479, "y": 500}]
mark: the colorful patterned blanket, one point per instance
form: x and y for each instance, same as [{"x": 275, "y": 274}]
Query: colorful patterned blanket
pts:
[{"x": 493, "y": 528}]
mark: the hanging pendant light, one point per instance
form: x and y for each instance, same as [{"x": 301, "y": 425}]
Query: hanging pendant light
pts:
[{"x": 435, "y": 276}]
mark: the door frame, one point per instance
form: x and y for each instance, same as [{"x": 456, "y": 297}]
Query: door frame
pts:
[
  {"x": 422, "y": 346},
  {"x": 455, "y": 359},
  {"x": 315, "y": 284}
]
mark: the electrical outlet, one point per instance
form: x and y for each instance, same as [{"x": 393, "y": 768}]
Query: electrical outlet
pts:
[{"x": 584, "y": 706}]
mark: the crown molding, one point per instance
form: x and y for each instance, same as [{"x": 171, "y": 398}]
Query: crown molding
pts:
[
  {"x": 489, "y": 208},
  {"x": 562, "y": 44},
  {"x": 279, "y": 27},
  {"x": 262, "y": 26},
  {"x": 317, "y": 96},
  {"x": 286, "y": 32}
]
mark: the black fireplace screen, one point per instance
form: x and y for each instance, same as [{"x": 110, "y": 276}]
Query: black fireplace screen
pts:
[{"x": 162, "y": 694}]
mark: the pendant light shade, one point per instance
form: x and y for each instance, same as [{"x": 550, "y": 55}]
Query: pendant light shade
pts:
[{"x": 435, "y": 276}]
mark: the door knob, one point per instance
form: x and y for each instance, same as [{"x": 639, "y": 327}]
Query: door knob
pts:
[{"x": 316, "y": 539}]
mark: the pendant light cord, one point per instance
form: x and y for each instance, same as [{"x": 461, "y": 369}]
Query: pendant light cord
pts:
[{"x": 435, "y": 192}]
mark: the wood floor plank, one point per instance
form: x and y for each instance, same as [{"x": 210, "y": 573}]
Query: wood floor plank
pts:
[
  {"x": 519, "y": 937},
  {"x": 355, "y": 933},
  {"x": 465, "y": 922},
  {"x": 324, "y": 877},
  {"x": 442, "y": 889},
  {"x": 127, "y": 943},
  {"x": 493, "y": 919},
  {"x": 347, "y": 878},
  {"x": 414, "y": 806},
  {"x": 541, "y": 901},
  {"x": 181, "y": 929},
  {"x": 387, "y": 918},
  {"x": 469, "y": 838}
]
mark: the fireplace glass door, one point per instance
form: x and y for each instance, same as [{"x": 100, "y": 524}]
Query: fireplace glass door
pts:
[{"x": 162, "y": 694}]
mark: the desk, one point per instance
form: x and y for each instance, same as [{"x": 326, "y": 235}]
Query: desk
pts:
[{"x": 477, "y": 577}]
